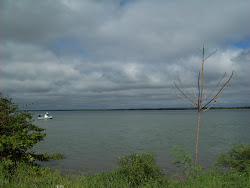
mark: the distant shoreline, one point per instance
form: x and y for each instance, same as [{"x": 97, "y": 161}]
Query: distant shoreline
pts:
[{"x": 145, "y": 109}]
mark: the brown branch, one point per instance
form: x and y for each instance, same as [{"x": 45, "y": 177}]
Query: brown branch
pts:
[
  {"x": 202, "y": 80},
  {"x": 199, "y": 49},
  {"x": 184, "y": 99},
  {"x": 220, "y": 91},
  {"x": 199, "y": 92},
  {"x": 210, "y": 55},
  {"x": 194, "y": 92},
  {"x": 205, "y": 95},
  {"x": 215, "y": 101},
  {"x": 215, "y": 86},
  {"x": 186, "y": 89},
  {"x": 185, "y": 95}
]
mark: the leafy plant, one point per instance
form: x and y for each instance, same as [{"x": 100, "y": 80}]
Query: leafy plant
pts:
[
  {"x": 237, "y": 158},
  {"x": 184, "y": 162},
  {"x": 139, "y": 168},
  {"x": 18, "y": 135}
]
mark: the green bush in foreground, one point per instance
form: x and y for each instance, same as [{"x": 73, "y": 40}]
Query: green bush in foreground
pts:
[
  {"x": 237, "y": 158},
  {"x": 18, "y": 135},
  {"x": 139, "y": 168}
]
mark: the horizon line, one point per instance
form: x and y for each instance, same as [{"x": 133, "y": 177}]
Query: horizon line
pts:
[{"x": 128, "y": 109}]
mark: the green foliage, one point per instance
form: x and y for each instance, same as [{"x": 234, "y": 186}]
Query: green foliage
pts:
[
  {"x": 139, "y": 168},
  {"x": 28, "y": 176},
  {"x": 237, "y": 158},
  {"x": 184, "y": 162},
  {"x": 214, "y": 180},
  {"x": 56, "y": 156},
  {"x": 18, "y": 135}
]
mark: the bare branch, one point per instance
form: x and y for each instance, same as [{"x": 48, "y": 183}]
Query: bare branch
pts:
[
  {"x": 205, "y": 95},
  {"x": 220, "y": 91},
  {"x": 210, "y": 55},
  {"x": 202, "y": 80},
  {"x": 185, "y": 100},
  {"x": 186, "y": 89},
  {"x": 199, "y": 92},
  {"x": 215, "y": 101},
  {"x": 200, "y": 50},
  {"x": 185, "y": 95},
  {"x": 215, "y": 87},
  {"x": 194, "y": 92}
]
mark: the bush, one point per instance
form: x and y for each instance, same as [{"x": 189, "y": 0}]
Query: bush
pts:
[
  {"x": 237, "y": 158},
  {"x": 139, "y": 168},
  {"x": 184, "y": 162},
  {"x": 18, "y": 135}
]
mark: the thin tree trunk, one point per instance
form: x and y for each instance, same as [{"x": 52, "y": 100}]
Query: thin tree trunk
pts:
[
  {"x": 197, "y": 138},
  {"x": 200, "y": 100}
]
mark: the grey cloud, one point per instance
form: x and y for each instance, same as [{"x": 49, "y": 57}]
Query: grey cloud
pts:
[{"x": 100, "y": 54}]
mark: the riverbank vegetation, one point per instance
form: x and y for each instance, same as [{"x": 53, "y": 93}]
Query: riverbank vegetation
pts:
[{"x": 137, "y": 170}]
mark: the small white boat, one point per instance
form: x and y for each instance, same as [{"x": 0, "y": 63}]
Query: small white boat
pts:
[{"x": 45, "y": 116}]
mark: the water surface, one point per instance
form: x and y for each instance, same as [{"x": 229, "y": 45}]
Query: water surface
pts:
[{"x": 92, "y": 141}]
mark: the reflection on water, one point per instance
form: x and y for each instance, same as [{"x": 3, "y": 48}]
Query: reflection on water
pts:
[{"x": 93, "y": 140}]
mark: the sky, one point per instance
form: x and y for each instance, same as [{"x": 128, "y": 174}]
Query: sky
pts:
[{"x": 113, "y": 54}]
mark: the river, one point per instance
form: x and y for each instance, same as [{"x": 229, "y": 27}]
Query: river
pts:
[{"x": 92, "y": 141}]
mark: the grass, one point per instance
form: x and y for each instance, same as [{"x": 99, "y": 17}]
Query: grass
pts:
[
  {"x": 138, "y": 170},
  {"x": 32, "y": 176},
  {"x": 216, "y": 179}
]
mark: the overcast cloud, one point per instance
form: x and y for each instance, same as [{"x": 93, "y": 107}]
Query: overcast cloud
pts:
[{"x": 103, "y": 54}]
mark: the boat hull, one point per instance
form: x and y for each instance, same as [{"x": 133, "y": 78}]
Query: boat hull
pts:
[{"x": 50, "y": 117}]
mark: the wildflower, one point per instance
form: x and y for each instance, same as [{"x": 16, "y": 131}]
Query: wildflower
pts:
[{"x": 129, "y": 183}]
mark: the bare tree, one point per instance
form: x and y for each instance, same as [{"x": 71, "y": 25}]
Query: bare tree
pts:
[{"x": 201, "y": 103}]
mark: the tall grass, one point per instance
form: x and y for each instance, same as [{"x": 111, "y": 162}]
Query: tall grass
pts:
[
  {"x": 29, "y": 176},
  {"x": 136, "y": 170}
]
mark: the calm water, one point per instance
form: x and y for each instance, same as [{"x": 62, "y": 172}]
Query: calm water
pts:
[{"x": 92, "y": 141}]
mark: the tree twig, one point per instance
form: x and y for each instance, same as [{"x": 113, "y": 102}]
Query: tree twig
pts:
[
  {"x": 199, "y": 92},
  {"x": 215, "y": 86},
  {"x": 205, "y": 95},
  {"x": 185, "y": 95},
  {"x": 185, "y": 88},
  {"x": 220, "y": 91},
  {"x": 185, "y": 100},
  {"x": 210, "y": 55},
  {"x": 194, "y": 92},
  {"x": 215, "y": 101},
  {"x": 199, "y": 49}
]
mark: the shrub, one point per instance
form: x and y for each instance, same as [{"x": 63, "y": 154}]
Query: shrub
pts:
[
  {"x": 18, "y": 135},
  {"x": 237, "y": 158},
  {"x": 139, "y": 168},
  {"x": 184, "y": 162}
]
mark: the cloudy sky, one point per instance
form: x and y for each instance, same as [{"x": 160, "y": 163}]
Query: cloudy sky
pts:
[{"x": 103, "y": 54}]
